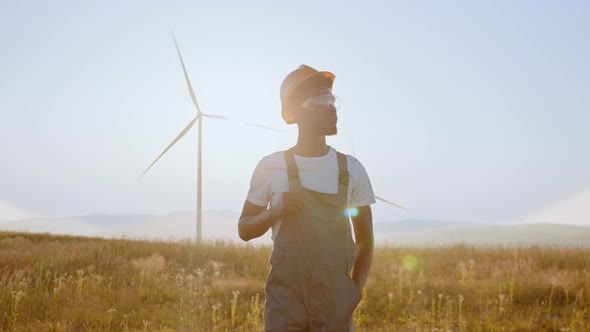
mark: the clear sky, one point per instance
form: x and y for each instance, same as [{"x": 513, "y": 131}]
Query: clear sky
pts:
[{"x": 459, "y": 110}]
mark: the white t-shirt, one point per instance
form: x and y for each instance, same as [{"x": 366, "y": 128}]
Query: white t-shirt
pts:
[{"x": 316, "y": 173}]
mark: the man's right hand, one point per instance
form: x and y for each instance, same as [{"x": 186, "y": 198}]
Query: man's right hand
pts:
[
  {"x": 255, "y": 220},
  {"x": 290, "y": 203}
]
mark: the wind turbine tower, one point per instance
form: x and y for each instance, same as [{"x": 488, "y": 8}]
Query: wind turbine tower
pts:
[{"x": 198, "y": 118}]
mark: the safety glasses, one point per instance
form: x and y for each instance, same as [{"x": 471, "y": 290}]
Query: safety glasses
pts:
[{"x": 322, "y": 103}]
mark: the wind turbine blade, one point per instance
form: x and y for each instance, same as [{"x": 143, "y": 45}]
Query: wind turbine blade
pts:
[
  {"x": 222, "y": 117},
  {"x": 263, "y": 126},
  {"x": 188, "y": 82},
  {"x": 377, "y": 197},
  {"x": 392, "y": 203},
  {"x": 213, "y": 116},
  {"x": 182, "y": 133}
]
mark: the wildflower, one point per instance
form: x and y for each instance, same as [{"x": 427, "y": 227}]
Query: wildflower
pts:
[{"x": 18, "y": 295}]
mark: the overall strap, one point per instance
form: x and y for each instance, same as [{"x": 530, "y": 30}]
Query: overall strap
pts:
[
  {"x": 342, "y": 174},
  {"x": 292, "y": 172}
]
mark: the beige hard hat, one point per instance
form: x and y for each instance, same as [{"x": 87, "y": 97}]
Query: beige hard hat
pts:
[{"x": 293, "y": 81}]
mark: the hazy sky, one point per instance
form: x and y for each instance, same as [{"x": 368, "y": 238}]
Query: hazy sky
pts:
[{"x": 459, "y": 110}]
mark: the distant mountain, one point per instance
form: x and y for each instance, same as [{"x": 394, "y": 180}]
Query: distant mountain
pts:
[
  {"x": 68, "y": 225},
  {"x": 417, "y": 225},
  {"x": 217, "y": 224},
  {"x": 571, "y": 210},
  {"x": 222, "y": 225},
  {"x": 513, "y": 235},
  {"x": 116, "y": 220}
]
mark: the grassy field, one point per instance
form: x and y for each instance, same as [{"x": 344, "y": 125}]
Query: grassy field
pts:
[{"x": 66, "y": 283}]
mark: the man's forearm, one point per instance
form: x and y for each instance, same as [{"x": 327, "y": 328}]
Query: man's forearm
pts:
[
  {"x": 362, "y": 266},
  {"x": 251, "y": 227}
]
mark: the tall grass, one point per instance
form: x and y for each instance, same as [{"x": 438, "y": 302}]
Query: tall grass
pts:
[{"x": 67, "y": 283}]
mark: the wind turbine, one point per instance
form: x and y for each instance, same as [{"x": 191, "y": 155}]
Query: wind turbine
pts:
[{"x": 199, "y": 119}]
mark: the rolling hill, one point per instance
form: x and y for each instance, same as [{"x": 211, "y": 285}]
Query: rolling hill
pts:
[{"x": 222, "y": 225}]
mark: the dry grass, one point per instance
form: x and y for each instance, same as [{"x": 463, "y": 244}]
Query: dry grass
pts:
[{"x": 63, "y": 283}]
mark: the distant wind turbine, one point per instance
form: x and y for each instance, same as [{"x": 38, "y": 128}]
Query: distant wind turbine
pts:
[{"x": 198, "y": 118}]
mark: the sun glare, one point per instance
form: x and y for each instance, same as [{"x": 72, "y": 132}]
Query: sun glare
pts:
[
  {"x": 410, "y": 262},
  {"x": 351, "y": 212}
]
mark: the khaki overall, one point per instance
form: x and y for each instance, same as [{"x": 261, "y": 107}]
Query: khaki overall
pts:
[{"x": 309, "y": 286}]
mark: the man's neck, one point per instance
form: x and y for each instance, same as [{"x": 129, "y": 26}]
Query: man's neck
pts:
[{"x": 311, "y": 146}]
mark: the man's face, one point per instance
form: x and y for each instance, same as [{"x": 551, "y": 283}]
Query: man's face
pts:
[{"x": 313, "y": 112}]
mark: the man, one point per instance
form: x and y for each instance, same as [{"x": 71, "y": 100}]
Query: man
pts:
[{"x": 313, "y": 192}]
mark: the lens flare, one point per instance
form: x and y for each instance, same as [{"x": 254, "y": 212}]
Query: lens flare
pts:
[
  {"x": 410, "y": 262},
  {"x": 351, "y": 212}
]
